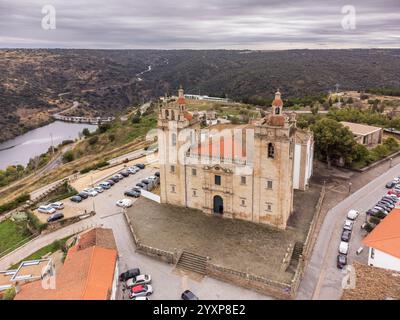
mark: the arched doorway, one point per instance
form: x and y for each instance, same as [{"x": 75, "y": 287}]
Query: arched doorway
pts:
[{"x": 218, "y": 205}]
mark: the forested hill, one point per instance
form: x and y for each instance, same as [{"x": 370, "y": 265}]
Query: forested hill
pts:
[{"x": 105, "y": 82}]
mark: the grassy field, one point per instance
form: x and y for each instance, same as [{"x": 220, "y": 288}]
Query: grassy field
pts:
[
  {"x": 51, "y": 248},
  {"x": 12, "y": 234}
]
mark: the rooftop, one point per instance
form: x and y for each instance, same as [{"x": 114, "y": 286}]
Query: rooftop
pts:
[
  {"x": 360, "y": 129},
  {"x": 373, "y": 284},
  {"x": 87, "y": 273},
  {"x": 386, "y": 235}
]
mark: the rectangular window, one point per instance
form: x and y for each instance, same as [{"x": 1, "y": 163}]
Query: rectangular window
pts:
[
  {"x": 172, "y": 188},
  {"x": 194, "y": 193},
  {"x": 268, "y": 207},
  {"x": 243, "y": 180},
  {"x": 218, "y": 180},
  {"x": 269, "y": 184},
  {"x": 243, "y": 202},
  {"x": 172, "y": 169},
  {"x": 194, "y": 172}
]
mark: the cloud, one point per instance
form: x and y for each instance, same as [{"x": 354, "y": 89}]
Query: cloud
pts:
[{"x": 195, "y": 24}]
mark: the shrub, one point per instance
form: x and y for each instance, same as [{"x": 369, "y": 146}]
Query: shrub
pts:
[
  {"x": 68, "y": 156},
  {"x": 86, "y": 132},
  {"x": 15, "y": 203},
  {"x": 374, "y": 220},
  {"x": 93, "y": 140},
  {"x": 104, "y": 127},
  {"x": 9, "y": 294},
  {"x": 111, "y": 137},
  {"x": 136, "y": 119},
  {"x": 368, "y": 227}
]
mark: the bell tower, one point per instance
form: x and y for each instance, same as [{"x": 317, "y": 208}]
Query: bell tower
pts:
[
  {"x": 177, "y": 130},
  {"x": 277, "y": 104}
]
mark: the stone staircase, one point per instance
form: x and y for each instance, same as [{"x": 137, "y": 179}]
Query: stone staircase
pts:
[
  {"x": 192, "y": 262},
  {"x": 294, "y": 260}
]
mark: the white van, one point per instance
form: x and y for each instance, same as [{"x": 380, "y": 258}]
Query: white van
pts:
[
  {"x": 344, "y": 247},
  {"x": 352, "y": 214}
]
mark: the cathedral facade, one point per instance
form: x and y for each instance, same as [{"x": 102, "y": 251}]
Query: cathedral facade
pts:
[{"x": 244, "y": 172}]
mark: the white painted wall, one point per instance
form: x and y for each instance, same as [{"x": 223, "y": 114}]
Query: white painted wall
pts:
[
  {"x": 115, "y": 282},
  {"x": 383, "y": 260},
  {"x": 296, "y": 170},
  {"x": 310, "y": 159},
  {"x": 150, "y": 195}
]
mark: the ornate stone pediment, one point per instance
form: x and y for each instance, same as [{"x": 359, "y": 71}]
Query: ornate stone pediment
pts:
[{"x": 217, "y": 168}]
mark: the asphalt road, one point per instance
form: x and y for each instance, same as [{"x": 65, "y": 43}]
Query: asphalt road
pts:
[{"x": 322, "y": 280}]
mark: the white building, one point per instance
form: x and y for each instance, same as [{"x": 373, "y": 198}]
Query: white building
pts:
[{"x": 384, "y": 243}]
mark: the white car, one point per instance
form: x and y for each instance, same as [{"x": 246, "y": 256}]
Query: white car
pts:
[
  {"x": 90, "y": 192},
  {"x": 352, "y": 214},
  {"x": 132, "y": 170},
  {"x": 48, "y": 209},
  {"x": 98, "y": 189},
  {"x": 140, "y": 298},
  {"x": 141, "y": 291},
  {"x": 348, "y": 225},
  {"x": 124, "y": 203},
  {"x": 140, "y": 279},
  {"x": 344, "y": 247},
  {"x": 57, "y": 205}
]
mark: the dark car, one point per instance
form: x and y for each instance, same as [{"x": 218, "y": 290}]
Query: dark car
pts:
[
  {"x": 341, "y": 261},
  {"x": 140, "y": 166},
  {"x": 55, "y": 217},
  {"x": 132, "y": 193},
  {"x": 141, "y": 185},
  {"x": 145, "y": 181},
  {"x": 373, "y": 212},
  {"x": 76, "y": 199},
  {"x": 129, "y": 274},
  {"x": 83, "y": 195},
  {"x": 157, "y": 174},
  {"x": 390, "y": 184},
  {"x": 189, "y": 295},
  {"x": 346, "y": 235},
  {"x": 124, "y": 173},
  {"x": 111, "y": 182},
  {"x": 115, "y": 178},
  {"x": 390, "y": 199},
  {"x": 137, "y": 189}
]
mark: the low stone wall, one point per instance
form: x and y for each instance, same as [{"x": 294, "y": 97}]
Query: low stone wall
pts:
[
  {"x": 163, "y": 255},
  {"x": 249, "y": 281}
]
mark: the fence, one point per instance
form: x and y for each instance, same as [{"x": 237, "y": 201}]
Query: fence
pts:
[{"x": 308, "y": 245}]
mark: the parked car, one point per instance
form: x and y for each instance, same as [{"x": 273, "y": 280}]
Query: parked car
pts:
[
  {"x": 132, "y": 170},
  {"x": 132, "y": 193},
  {"x": 188, "y": 295},
  {"x": 141, "y": 291},
  {"x": 346, "y": 235},
  {"x": 140, "y": 298},
  {"x": 57, "y": 205},
  {"x": 137, "y": 189},
  {"x": 111, "y": 182},
  {"x": 115, "y": 178},
  {"x": 55, "y": 217},
  {"x": 90, "y": 192},
  {"x": 390, "y": 184},
  {"x": 344, "y": 247},
  {"x": 124, "y": 203},
  {"x": 124, "y": 173},
  {"x": 386, "y": 204},
  {"x": 148, "y": 183},
  {"x": 154, "y": 179},
  {"x": 83, "y": 195},
  {"x": 139, "y": 279},
  {"x": 381, "y": 208},
  {"x": 105, "y": 185},
  {"x": 341, "y": 261},
  {"x": 76, "y": 199},
  {"x": 142, "y": 185},
  {"x": 352, "y": 214},
  {"x": 129, "y": 274},
  {"x": 157, "y": 174},
  {"x": 373, "y": 212},
  {"x": 140, "y": 166},
  {"x": 119, "y": 176},
  {"x": 48, "y": 209},
  {"x": 98, "y": 189},
  {"x": 348, "y": 225}
]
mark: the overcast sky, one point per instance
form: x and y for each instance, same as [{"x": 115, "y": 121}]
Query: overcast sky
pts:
[{"x": 201, "y": 24}]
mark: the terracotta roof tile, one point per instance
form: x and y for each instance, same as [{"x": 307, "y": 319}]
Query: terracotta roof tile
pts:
[{"x": 386, "y": 235}]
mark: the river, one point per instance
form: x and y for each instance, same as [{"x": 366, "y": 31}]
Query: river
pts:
[{"x": 35, "y": 142}]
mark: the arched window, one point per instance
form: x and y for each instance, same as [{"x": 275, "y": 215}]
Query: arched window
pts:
[
  {"x": 173, "y": 139},
  {"x": 172, "y": 115},
  {"x": 166, "y": 114},
  {"x": 271, "y": 151},
  {"x": 278, "y": 111}
]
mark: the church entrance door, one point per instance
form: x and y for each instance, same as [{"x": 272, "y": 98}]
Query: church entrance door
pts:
[{"x": 218, "y": 205}]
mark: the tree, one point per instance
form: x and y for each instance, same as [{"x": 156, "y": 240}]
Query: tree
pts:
[
  {"x": 86, "y": 132},
  {"x": 68, "y": 156},
  {"x": 333, "y": 141}
]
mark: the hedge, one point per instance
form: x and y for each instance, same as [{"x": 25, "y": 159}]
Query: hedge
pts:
[{"x": 15, "y": 203}]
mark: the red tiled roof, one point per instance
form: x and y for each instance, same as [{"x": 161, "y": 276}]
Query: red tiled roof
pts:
[
  {"x": 276, "y": 120},
  {"x": 181, "y": 100},
  {"x": 188, "y": 116},
  {"x": 277, "y": 102},
  {"x": 386, "y": 235},
  {"x": 87, "y": 274}
]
